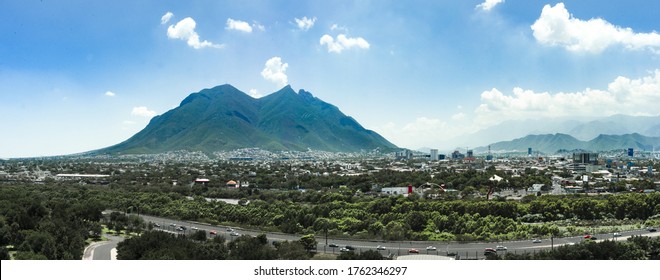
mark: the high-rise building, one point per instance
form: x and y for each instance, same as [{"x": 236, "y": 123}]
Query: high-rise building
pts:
[
  {"x": 585, "y": 158},
  {"x": 434, "y": 154}
]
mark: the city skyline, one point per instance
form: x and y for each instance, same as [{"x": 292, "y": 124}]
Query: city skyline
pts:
[{"x": 84, "y": 76}]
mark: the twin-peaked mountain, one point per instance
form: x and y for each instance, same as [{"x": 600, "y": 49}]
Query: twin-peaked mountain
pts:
[{"x": 224, "y": 118}]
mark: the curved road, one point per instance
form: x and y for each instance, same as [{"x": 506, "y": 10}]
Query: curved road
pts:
[
  {"x": 103, "y": 250},
  {"x": 465, "y": 250}
]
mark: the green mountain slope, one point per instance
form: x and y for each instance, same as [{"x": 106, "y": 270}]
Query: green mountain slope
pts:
[{"x": 224, "y": 118}]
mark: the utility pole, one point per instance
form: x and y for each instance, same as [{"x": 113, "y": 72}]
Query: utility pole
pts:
[{"x": 326, "y": 238}]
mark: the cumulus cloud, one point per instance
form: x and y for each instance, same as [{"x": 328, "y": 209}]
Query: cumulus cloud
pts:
[
  {"x": 109, "y": 94},
  {"x": 166, "y": 17},
  {"x": 275, "y": 71},
  {"x": 556, "y": 27},
  {"x": 305, "y": 23},
  {"x": 254, "y": 93},
  {"x": 238, "y": 25},
  {"x": 489, "y": 4},
  {"x": 343, "y": 43},
  {"x": 185, "y": 30},
  {"x": 622, "y": 96},
  {"x": 143, "y": 111}
]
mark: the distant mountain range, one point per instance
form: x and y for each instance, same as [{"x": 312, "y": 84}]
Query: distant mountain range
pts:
[
  {"x": 551, "y": 143},
  {"x": 224, "y": 118},
  {"x": 583, "y": 128}
]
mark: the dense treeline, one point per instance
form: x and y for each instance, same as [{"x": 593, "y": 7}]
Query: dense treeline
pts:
[
  {"x": 159, "y": 245},
  {"x": 637, "y": 248},
  {"x": 48, "y": 223},
  {"x": 340, "y": 212},
  {"x": 53, "y": 221}
]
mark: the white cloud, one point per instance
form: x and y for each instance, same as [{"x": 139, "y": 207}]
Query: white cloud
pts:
[
  {"x": 185, "y": 30},
  {"x": 343, "y": 43},
  {"x": 109, "y": 93},
  {"x": 336, "y": 27},
  {"x": 623, "y": 96},
  {"x": 143, "y": 111},
  {"x": 458, "y": 116},
  {"x": 238, "y": 25},
  {"x": 556, "y": 27},
  {"x": 166, "y": 18},
  {"x": 275, "y": 71},
  {"x": 489, "y": 4},
  {"x": 305, "y": 23},
  {"x": 258, "y": 26},
  {"x": 254, "y": 93},
  {"x": 421, "y": 132}
]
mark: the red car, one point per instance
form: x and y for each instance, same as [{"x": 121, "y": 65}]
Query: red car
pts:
[
  {"x": 213, "y": 232},
  {"x": 413, "y": 251}
]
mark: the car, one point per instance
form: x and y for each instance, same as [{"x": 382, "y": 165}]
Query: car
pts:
[
  {"x": 230, "y": 229},
  {"x": 536, "y": 241},
  {"x": 344, "y": 249},
  {"x": 616, "y": 234},
  {"x": 333, "y": 245},
  {"x": 650, "y": 229},
  {"x": 156, "y": 225},
  {"x": 587, "y": 236},
  {"x": 349, "y": 247},
  {"x": 431, "y": 248},
  {"x": 381, "y": 248},
  {"x": 213, "y": 232},
  {"x": 593, "y": 238},
  {"x": 233, "y": 233},
  {"x": 194, "y": 228},
  {"x": 179, "y": 228},
  {"x": 490, "y": 251},
  {"x": 500, "y": 248},
  {"x": 413, "y": 251},
  {"x": 182, "y": 227}
]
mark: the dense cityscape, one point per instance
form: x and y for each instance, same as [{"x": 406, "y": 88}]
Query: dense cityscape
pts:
[{"x": 402, "y": 196}]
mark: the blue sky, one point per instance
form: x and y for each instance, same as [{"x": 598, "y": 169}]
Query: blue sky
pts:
[{"x": 82, "y": 75}]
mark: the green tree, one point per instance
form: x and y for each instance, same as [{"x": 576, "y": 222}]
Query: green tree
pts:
[{"x": 308, "y": 242}]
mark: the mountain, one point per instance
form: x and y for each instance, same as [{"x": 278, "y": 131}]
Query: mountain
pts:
[
  {"x": 582, "y": 128},
  {"x": 551, "y": 143},
  {"x": 224, "y": 118}
]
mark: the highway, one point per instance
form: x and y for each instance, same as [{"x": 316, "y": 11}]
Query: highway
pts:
[
  {"x": 105, "y": 250},
  {"x": 465, "y": 250}
]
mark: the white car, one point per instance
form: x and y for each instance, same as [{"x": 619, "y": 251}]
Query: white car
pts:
[
  {"x": 233, "y": 233},
  {"x": 500, "y": 248},
  {"x": 536, "y": 241},
  {"x": 616, "y": 234},
  {"x": 430, "y": 248},
  {"x": 381, "y": 248}
]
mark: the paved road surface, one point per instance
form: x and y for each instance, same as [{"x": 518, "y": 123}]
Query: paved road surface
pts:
[{"x": 103, "y": 250}]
